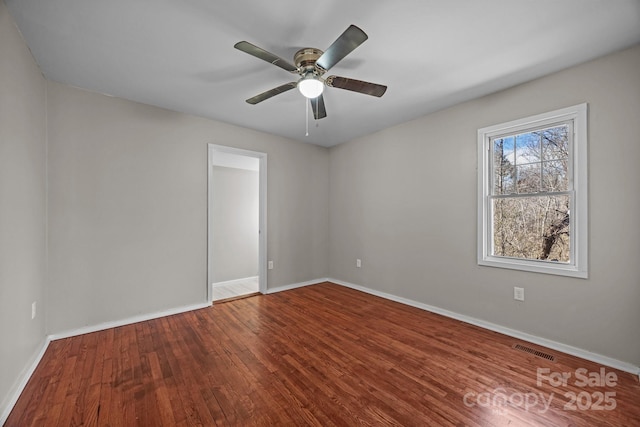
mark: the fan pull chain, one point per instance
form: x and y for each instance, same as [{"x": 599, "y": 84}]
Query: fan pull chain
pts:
[{"x": 307, "y": 116}]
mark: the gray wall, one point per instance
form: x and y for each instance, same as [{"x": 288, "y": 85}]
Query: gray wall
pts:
[
  {"x": 128, "y": 207},
  {"x": 22, "y": 207},
  {"x": 235, "y": 223},
  {"x": 404, "y": 201}
]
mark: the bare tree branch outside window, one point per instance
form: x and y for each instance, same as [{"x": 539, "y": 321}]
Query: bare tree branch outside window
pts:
[{"x": 530, "y": 199}]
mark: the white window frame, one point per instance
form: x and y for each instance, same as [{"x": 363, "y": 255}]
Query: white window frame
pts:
[{"x": 578, "y": 265}]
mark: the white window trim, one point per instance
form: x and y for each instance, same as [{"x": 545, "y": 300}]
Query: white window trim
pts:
[{"x": 578, "y": 267}]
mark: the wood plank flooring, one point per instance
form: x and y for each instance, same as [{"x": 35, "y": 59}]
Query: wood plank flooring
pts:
[{"x": 322, "y": 355}]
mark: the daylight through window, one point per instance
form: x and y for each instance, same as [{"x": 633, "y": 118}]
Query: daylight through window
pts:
[{"x": 532, "y": 197}]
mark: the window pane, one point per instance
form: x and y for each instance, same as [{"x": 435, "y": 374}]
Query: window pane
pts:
[
  {"x": 555, "y": 176},
  {"x": 555, "y": 143},
  {"x": 529, "y": 178},
  {"x": 531, "y": 162},
  {"x": 534, "y": 227},
  {"x": 527, "y": 148},
  {"x": 503, "y": 169}
]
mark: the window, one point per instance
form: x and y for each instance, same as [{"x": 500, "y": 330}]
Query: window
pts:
[{"x": 532, "y": 193}]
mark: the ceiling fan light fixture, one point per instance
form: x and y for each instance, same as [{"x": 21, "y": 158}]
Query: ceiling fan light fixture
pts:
[{"x": 310, "y": 86}]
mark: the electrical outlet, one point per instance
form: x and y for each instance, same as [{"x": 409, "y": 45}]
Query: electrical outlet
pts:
[
  {"x": 518, "y": 294},
  {"x": 358, "y": 263},
  {"x": 270, "y": 265},
  {"x": 33, "y": 310}
]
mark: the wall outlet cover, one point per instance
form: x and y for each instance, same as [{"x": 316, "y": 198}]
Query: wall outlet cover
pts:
[{"x": 518, "y": 294}]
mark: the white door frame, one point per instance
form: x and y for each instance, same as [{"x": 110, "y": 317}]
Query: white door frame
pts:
[{"x": 262, "y": 222}]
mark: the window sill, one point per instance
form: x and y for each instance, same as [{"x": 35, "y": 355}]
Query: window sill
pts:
[{"x": 535, "y": 266}]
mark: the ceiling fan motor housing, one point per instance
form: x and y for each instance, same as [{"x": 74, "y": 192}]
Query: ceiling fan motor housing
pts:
[{"x": 305, "y": 59}]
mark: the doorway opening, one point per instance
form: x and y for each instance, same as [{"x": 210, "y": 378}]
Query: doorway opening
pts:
[{"x": 236, "y": 223}]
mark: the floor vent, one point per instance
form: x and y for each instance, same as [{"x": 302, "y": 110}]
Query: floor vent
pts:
[{"x": 535, "y": 352}]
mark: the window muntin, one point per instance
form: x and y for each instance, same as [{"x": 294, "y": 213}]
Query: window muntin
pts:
[{"x": 533, "y": 161}]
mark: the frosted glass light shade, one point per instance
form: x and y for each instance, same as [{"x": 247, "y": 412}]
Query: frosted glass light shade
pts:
[{"x": 310, "y": 87}]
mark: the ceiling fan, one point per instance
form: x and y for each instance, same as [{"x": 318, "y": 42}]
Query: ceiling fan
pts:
[{"x": 311, "y": 64}]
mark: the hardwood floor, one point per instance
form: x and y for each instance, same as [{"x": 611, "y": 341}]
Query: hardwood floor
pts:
[{"x": 321, "y": 355}]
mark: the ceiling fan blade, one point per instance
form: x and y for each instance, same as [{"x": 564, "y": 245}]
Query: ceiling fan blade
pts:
[
  {"x": 317, "y": 104},
  {"x": 258, "y": 52},
  {"x": 356, "y": 85},
  {"x": 270, "y": 93},
  {"x": 345, "y": 44}
]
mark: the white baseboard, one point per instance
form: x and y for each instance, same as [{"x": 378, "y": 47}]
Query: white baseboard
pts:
[
  {"x": 127, "y": 321},
  {"x": 573, "y": 351},
  {"x": 295, "y": 285},
  {"x": 233, "y": 282},
  {"x": 17, "y": 389}
]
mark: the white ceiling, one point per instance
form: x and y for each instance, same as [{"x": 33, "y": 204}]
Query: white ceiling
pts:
[{"x": 430, "y": 53}]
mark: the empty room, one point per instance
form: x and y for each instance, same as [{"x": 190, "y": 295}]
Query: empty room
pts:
[{"x": 419, "y": 213}]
